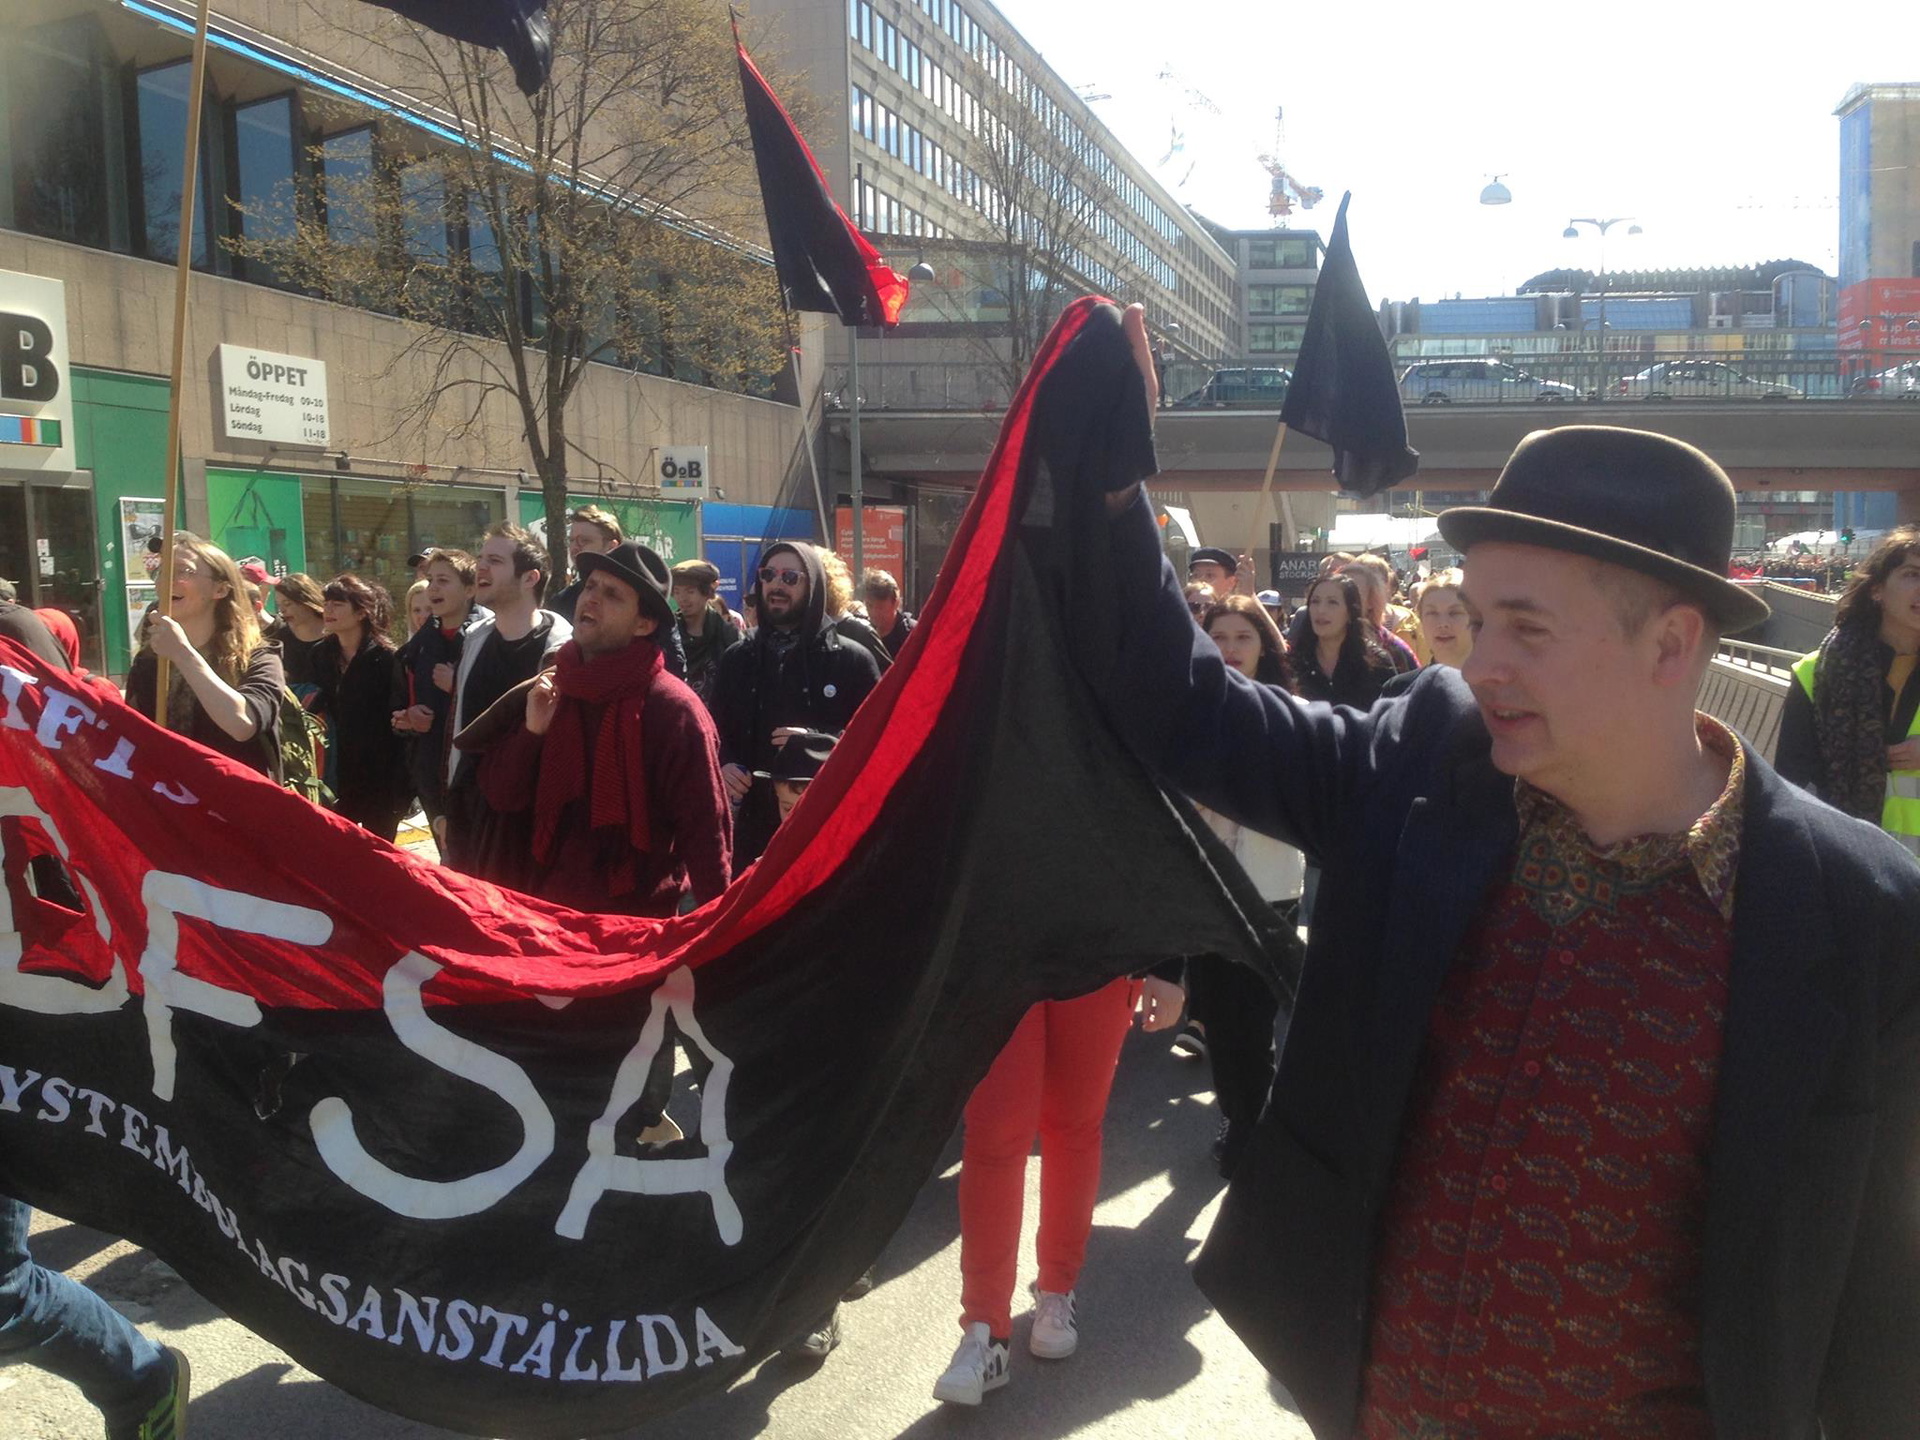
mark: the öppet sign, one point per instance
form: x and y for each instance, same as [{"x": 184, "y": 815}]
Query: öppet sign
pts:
[{"x": 279, "y": 399}]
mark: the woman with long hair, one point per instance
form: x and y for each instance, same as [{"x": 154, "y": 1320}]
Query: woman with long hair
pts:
[
  {"x": 1234, "y": 1009},
  {"x": 1334, "y": 651},
  {"x": 1446, "y": 625},
  {"x": 354, "y": 667},
  {"x": 1850, "y": 731},
  {"x": 226, "y": 681}
]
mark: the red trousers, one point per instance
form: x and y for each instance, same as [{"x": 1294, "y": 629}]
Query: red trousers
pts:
[{"x": 1052, "y": 1079}]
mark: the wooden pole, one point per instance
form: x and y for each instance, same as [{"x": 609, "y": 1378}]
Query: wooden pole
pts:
[
  {"x": 183, "y": 269},
  {"x": 1260, "y": 505}
]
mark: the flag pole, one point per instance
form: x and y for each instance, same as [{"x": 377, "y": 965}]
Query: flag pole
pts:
[
  {"x": 183, "y": 270},
  {"x": 807, "y": 430},
  {"x": 1260, "y": 505},
  {"x": 853, "y": 406}
]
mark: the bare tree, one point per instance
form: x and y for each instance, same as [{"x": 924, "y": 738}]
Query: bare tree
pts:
[
  {"x": 590, "y": 224},
  {"x": 1035, "y": 195}
]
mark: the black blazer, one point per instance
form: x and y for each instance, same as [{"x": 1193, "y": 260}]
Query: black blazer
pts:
[{"x": 1811, "y": 1310}]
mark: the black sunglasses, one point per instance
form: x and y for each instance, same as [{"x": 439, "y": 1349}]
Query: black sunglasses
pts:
[{"x": 786, "y": 577}]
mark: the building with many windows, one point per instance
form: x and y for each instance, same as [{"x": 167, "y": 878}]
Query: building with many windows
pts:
[{"x": 93, "y": 100}]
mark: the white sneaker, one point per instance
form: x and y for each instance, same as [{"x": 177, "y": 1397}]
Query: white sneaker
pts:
[
  {"x": 979, "y": 1365},
  {"x": 1055, "y": 1335}
]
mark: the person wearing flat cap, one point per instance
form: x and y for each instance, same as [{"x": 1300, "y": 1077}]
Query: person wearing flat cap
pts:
[
  {"x": 617, "y": 761},
  {"x": 1599, "y": 1109},
  {"x": 1210, "y": 565}
]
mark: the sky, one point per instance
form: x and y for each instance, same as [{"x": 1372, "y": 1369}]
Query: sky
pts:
[{"x": 1710, "y": 123}]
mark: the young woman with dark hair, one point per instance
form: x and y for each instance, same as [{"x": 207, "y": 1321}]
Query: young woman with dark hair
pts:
[
  {"x": 354, "y": 666},
  {"x": 1232, "y": 1007},
  {"x": 1850, "y": 731},
  {"x": 1334, "y": 653}
]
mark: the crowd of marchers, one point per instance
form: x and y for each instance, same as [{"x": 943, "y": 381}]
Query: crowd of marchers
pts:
[{"x": 610, "y": 735}]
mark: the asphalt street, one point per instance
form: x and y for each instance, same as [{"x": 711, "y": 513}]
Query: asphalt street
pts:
[{"x": 1154, "y": 1360}]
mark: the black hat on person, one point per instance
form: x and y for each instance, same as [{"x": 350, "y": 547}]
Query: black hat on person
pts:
[
  {"x": 1214, "y": 555},
  {"x": 420, "y": 557},
  {"x": 800, "y": 758},
  {"x": 645, "y": 571},
  {"x": 1629, "y": 497}
]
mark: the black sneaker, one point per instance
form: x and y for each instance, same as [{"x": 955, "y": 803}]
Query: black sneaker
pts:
[
  {"x": 167, "y": 1420},
  {"x": 821, "y": 1341},
  {"x": 1191, "y": 1042},
  {"x": 1230, "y": 1147}
]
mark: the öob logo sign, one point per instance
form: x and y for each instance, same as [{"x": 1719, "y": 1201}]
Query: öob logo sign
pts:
[{"x": 36, "y": 396}]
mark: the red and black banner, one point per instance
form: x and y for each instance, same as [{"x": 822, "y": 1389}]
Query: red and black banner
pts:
[
  {"x": 391, "y": 1118},
  {"x": 823, "y": 262}
]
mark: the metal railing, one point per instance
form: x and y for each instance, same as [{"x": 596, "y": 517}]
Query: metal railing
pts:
[
  {"x": 1624, "y": 374},
  {"x": 1768, "y": 659}
]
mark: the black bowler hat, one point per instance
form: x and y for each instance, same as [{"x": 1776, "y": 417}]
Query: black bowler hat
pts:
[
  {"x": 645, "y": 571},
  {"x": 1212, "y": 554},
  {"x": 800, "y": 758},
  {"x": 1629, "y": 497}
]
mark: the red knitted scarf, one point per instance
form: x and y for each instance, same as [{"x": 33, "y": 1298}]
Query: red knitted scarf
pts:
[{"x": 614, "y": 686}]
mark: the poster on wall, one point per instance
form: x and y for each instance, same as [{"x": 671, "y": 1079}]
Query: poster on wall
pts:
[
  {"x": 140, "y": 594},
  {"x": 140, "y": 521},
  {"x": 883, "y": 538},
  {"x": 257, "y": 515}
]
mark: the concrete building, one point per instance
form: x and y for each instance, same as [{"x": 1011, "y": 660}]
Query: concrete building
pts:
[{"x": 92, "y": 93}]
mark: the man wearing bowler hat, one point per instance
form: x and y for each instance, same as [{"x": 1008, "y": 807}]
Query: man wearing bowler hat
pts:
[
  {"x": 616, "y": 759},
  {"x": 1599, "y": 1111}
]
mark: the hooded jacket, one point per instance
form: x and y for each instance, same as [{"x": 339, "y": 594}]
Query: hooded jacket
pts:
[
  {"x": 426, "y": 648},
  {"x": 812, "y": 677}
]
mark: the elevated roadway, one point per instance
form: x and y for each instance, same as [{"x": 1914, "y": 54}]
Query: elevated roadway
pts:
[{"x": 1787, "y": 445}]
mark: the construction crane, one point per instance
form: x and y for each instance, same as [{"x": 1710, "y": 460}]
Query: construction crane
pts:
[{"x": 1284, "y": 191}]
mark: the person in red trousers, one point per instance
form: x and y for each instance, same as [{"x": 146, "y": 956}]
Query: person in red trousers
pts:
[{"x": 1051, "y": 1080}]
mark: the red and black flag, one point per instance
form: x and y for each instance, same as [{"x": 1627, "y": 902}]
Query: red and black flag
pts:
[
  {"x": 823, "y": 261},
  {"x": 404, "y": 1124},
  {"x": 1343, "y": 391},
  {"x": 518, "y": 29}
]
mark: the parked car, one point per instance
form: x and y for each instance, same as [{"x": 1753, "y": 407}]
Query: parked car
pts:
[
  {"x": 1700, "y": 380},
  {"x": 1252, "y": 387},
  {"x": 1902, "y": 382},
  {"x": 1439, "y": 382}
]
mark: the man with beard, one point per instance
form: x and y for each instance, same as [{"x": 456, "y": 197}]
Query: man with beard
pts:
[
  {"x": 793, "y": 674},
  {"x": 512, "y": 645},
  {"x": 613, "y": 761}
]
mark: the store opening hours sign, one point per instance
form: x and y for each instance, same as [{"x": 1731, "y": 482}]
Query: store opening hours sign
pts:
[{"x": 278, "y": 399}]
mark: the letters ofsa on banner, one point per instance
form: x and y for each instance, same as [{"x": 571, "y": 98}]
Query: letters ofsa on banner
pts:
[{"x": 168, "y": 898}]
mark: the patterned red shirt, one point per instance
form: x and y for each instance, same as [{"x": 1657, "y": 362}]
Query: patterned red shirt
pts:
[{"x": 1539, "y": 1263}]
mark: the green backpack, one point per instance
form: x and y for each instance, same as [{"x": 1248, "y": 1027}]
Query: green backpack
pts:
[{"x": 300, "y": 760}]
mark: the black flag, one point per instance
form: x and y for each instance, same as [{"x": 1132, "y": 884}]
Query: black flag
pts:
[
  {"x": 823, "y": 262},
  {"x": 518, "y": 29},
  {"x": 1343, "y": 391}
]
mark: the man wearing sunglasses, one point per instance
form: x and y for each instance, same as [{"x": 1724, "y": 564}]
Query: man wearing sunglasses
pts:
[{"x": 793, "y": 674}]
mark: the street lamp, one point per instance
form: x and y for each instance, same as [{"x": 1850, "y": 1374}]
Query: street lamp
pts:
[
  {"x": 1494, "y": 193},
  {"x": 1572, "y": 232}
]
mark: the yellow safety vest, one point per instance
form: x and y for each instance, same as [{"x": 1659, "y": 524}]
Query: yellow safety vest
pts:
[{"x": 1900, "y": 815}]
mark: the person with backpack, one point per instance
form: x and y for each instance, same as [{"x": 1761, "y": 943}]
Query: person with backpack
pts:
[
  {"x": 355, "y": 667},
  {"x": 227, "y": 683}
]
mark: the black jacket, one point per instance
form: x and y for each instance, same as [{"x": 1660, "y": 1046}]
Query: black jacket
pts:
[
  {"x": 816, "y": 679},
  {"x": 367, "y": 760},
  {"x": 1811, "y": 1291}
]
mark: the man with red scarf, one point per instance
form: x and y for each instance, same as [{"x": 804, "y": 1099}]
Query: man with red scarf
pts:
[{"x": 617, "y": 760}]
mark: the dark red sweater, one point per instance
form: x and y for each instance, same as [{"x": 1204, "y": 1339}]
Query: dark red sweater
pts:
[{"x": 691, "y": 823}]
